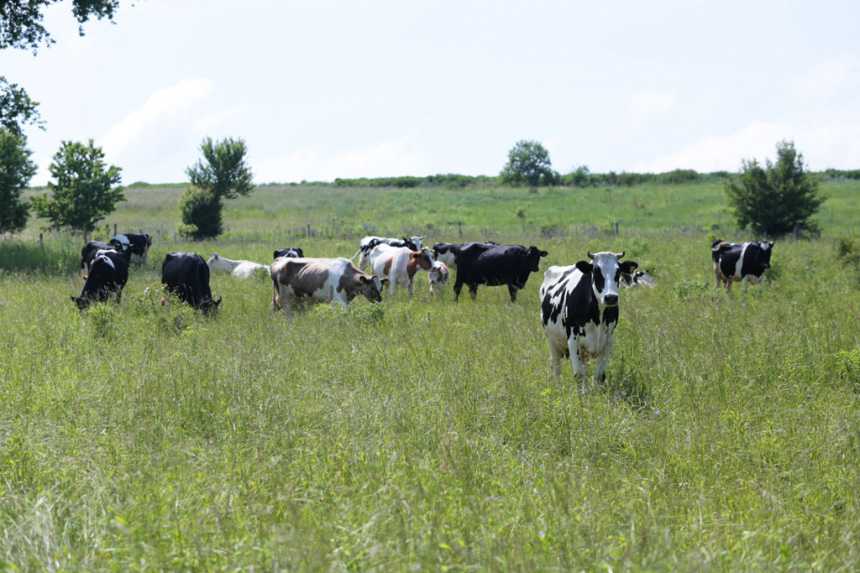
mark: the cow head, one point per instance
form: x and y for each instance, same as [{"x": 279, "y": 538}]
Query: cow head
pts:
[
  {"x": 605, "y": 270},
  {"x": 210, "y": 306},
  {"x": 82, "y": 302},
  {"x": 422, "y": 259},
  {"x": 765, "y": 249},
  {"x": 370, "y": 287},
  {"x": 532, "y": 256}
]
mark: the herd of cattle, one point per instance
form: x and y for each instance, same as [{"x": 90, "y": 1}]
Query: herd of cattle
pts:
[{"x": 579, "y": 303}]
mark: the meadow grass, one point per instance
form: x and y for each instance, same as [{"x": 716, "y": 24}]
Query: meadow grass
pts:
[{"x": 425, "y": 434}]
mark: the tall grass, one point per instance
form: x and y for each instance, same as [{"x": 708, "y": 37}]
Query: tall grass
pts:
[{"x": 429, "y": 434}]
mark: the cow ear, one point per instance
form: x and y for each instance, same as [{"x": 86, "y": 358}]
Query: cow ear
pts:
[
  {"x": 629, "y": 266},
  {"x": 584, "y": 267},
  {"x": 543, "y": 253},
  {"x": 384, "y": 281},
  {"x": 362, "y": 279}
]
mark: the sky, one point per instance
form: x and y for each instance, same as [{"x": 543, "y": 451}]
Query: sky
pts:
[{"x": 325, "y": 89}]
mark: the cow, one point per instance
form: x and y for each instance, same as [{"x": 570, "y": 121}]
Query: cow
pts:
[
  {"x": 296, "y": 282},
  {"x": 636, "y": 279},
  {"x": 367, "y": 243},
  {"x": 493, "y": 265},
  {"x": 138, "y": 244},
  {"x": 437, "y": 276},
  {"x": 187, "y": 276},
  {"x": 108, "y": 273},
  {"x": 238, "y": 268},
  {"x": 579, "y": 311},
  {"x": 294, "y": 252},
  {"x": 446, "y": 252},
  {"x": 88, "y": 252},
  {"x": 746, "y": 262},
  {"x": 399, "y": 264}
]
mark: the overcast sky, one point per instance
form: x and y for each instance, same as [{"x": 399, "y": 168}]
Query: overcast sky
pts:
[{"x": 321, "y": 89}]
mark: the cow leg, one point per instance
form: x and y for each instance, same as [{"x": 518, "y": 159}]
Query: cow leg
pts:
[
  {"x": 603, "y": 360},
  {"x": 473, "y": 290},
  {"x": 718, "y": 277},
  {"x": 458, "y": 286},
  {"x": 579, "y": 370},
  {"x": 410, "y": 288},
  {"x": 512, "y": 290}
]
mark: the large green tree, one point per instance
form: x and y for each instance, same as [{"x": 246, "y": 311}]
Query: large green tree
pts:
[
  {"x": 529, "y": 163},
  {"x": 16, "y": 170},
  {"x": 222, "y": 174},
  {"x": 85, "y": 191},
  {"x": 21, "y": 27},
  {"x": 772, "y": 200}
]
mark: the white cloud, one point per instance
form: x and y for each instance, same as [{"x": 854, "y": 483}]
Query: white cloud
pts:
[
  {"x": 830, "y": 78},
  {"x": 755, "y": 141},
  {"x": 163, "y": 105}
]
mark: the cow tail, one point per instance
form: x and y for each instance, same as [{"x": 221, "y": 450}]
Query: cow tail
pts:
[{"x": 355, "y": 255}]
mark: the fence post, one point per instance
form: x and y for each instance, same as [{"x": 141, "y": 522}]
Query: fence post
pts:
[
  {"x": 616, "y": 228},
  {"x": 41, "y": 241},
  {"x": 460, "y": 228},
  {"x": 114, "y": 229}
]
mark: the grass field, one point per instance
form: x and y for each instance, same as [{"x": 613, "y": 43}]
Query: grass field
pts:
[{"x": 426, "y": 434}]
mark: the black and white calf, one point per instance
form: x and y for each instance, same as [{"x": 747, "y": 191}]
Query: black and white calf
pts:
[
  {"x": 579, "y": 311},
  {"x": 137, "y": 244},
  {"x": 291, "y": 252},
  {"x": 746, "y": 262},
  {"x": 91, "y": 249},
  {"x": 447, "y": 252},
  {"x": 636, "y": 279},
  {"x": 367, "y": 243},
  {"x": 108, "y": 273},
  {"x": 187, "y": 275}
]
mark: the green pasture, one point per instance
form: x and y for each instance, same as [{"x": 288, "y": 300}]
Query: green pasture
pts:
[{"x": 427, "y": 435}]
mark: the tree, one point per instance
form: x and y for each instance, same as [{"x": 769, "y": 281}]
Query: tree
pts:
[
  {"x": 224, "y": 175},
  {"x": 16, "y": 170},
  {"x": 201, "y": 214},
  {"x": 84, "y": 192},
  {"x": 771, "y": 200},
  {"x": 16, "y": 108},
  {"x": 528, "y": 162},
  {"x": 21, "y": 27}
]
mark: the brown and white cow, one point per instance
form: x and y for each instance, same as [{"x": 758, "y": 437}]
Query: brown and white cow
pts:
[
  {"x": 297, "y": 282},
  {"x": 438, "y": 276},
  {"x": 399, "y": 264}
]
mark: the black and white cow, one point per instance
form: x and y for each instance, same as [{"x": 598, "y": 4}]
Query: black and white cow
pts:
[
  {"x": 636, "y": 279},
  {"x": 291, "y": 252},
  {"x": 367, "y": 243},
  {"x": 138, "y": 244},
  {"x": 494, "y": 265},
  {"x": 108, "y": 273},
  {"x": 579, "y": 311},
  {"x": 89, "y": 251},
  {"x": 734, "y": 262},
  {"x": 187, "y": 276},
  {"x": 447, "y": 252}
]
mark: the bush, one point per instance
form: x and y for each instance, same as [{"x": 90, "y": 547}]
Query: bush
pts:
[{"x": 201, "y": 214}]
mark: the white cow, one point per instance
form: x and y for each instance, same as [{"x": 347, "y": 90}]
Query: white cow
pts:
[
  {"x": 437, "y": 276},
  {"x": 367, "y": 243},
  {"x": 399, "y": 264},
  {"x": 237, "y": 268},
  {"x": 579, "y": 311}
]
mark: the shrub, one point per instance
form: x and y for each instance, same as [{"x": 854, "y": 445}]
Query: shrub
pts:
[{"x": 201, "y": 214}]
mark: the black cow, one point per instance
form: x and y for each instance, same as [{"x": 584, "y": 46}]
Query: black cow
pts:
[
  {"x": 447, "y": 252},
  {"x": 494, "y": 265},
  {"x": 291, "y": 252},
  {"x": 88, "y": 252},
  {"x": 187, "y": 275},
  {"x": 138, "y": 244},
  {"x": 367, "y": 243},
  {"x": 734, "y": 262},
  {"x": 108, "y": 272}
]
